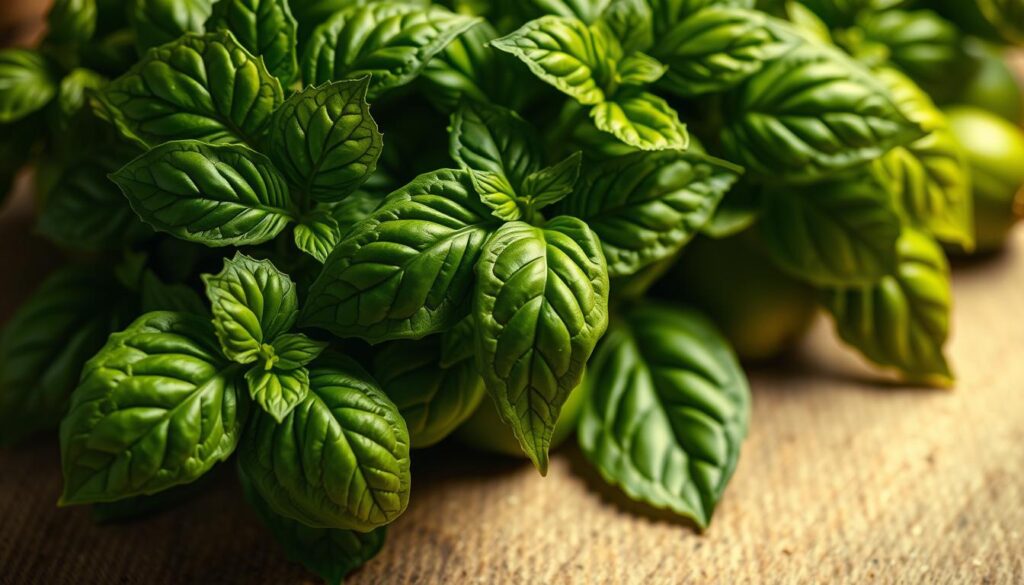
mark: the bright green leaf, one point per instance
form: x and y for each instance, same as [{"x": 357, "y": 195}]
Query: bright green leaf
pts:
[
  {"x": 26, "y": 83},
  {"x": 277, "y": 391},
  {"x": 642, "y": 120},
  {"x": 317, "y": 234},
  {"x": 552, "y": 184},
  {"x": 639, "y": 69},
  {"x": 496, "y": 192},
  {"x": 294, "y": 350}
]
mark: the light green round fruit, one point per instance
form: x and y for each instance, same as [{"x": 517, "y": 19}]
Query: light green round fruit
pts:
[
  {"x": 760, "y": 309},
  {"x": 486, "y": 431},
  {"x": 995, "y": 155}
]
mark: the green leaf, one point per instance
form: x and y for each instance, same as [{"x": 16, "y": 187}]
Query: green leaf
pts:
[
  {"x": 265, "y": 28},
  {"x": 156, "y": 22},
  {"x": 390, "y": 41},
  {"x": 203, "y": 87},
  {"x": 26, "y": 83},
  {"x": 73, "y": 94},
  {"x": 496, "y": 140},
  {"x": 71, "y": 21},
  {"x": 85, "y": 210},
  {"x": 565, "y": 53},
  {"x": 496, "y": 192},
  {"x": 324, "y": 140},
  {"x": 552, "y": 184},
  {"x": 903, "y": 320},
  {"x": 277, "y": 391},
  {"x": 811, "y": 113},
  {"x": 540, "y": 305},
  {"x": 920, "y": 42},
  {"x": 353, "y": 209},
  {"x": 406, "y": 271},
  {"x": 294, "y": 350},
  {"x": 328, "y": 552},
  {"x": 631, "y": 22},
  {"x": 929, "y": 178},
  {"x": 716, "y": 49},
  {"x": 639, "y": 69},
  {"x": 434, "y": 400},
  {"x": 339, "y": 460},
  {"x": 157, "y": 407},
  {"x": 317, "y": 234},
  {"x": 458, "y": 343},
  {"x": 46, "y": 342},
  {"x": 667, "y": 13},
  {"x": 585, "y": 10},
  {"x": 214, "y": 195},
  {"x": 253, "y": 303},
  {"x": 668, "y": 410},
  {"x": 645, "y": 207},
  {"x": 642, "y": 120},
  {"x": 836, "y": 233},
  {"x": 156, "y": 295}
]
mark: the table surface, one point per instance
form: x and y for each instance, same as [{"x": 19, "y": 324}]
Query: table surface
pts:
[{"x": 844, "y": 477}]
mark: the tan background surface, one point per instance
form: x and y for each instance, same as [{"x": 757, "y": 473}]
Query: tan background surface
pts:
[{"x": 843, "y": 479}]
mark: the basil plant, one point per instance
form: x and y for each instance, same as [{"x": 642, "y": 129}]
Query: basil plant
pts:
[{"x": 313, "y": 237}]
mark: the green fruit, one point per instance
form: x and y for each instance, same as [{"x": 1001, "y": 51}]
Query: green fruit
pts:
[
  {"x": 995, "y": 154},
  {"x": 761, "y": 310},
  {"x": 487, "y": 432},
  {"x": 993, "y": 86}
]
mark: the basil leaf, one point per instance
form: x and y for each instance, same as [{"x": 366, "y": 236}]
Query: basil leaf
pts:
[
  {"x": 641, "y": 120},
  {"x": 339, "y": 460},
  {"x": 253, "y": 303},
  {"x": 552, "y": 184},
  {"x": 715, "y": 49},
  {"x": 73, "y": 93},
  {"x": 390, "y": 41},
  {"x": 317, "y": 234},
  {"x": 156, "y": 407},
  {"x": 928, "y": 178},
  {"x": 468, "y": 70},
  {"x": 204, "y": 87},
  {"x": 668, "y": 410},
  {"x": 666, "y": 13},
  {"x": 406, "y": 271},
  {"x": 328, "y": 552},
  {"x": 540, "y": 305},
  {"x": 920, "y": 42},
  {"x": 903, "y": 320},
  {"x": 26, "y": 83},
  {"x": 71, "y": 21},
  {"x": 565, "y": 53},
  {"x": 434, "y": 400},
  {"x": 353, "y": 209},
  {"x": 160, "y": 21},
  {"x": 841, "y": 232},
  {"x": 458, "y": 343},
  {"x": 631, "y": 22},
  {"x": 496, "y": 140},
  {"x": 811, "y": 113},
  {"x": 214, "y": 195},
  {"x": 277, "y": 391},
  {"x": 324, "y": 140},
  {"x": 496, "y": 192},
  {"x": 646, "y": 206},
  {"x": 266, "y": 28},
  {"x": 639, "y": 69},
  {"x": 44, "y": 345},
  {"x": 294, "y": 350},
  {"x": 585, "y": 10},
  {"x": 84, "y": 209}
]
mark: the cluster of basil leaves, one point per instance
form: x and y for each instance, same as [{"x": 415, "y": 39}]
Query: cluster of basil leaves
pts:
[{"x": 501, "y": 261}]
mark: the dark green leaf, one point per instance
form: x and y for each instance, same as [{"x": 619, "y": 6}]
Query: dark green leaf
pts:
[
  {"x": 666, "y": 13},
  {"x": 493, "y": 139},
  {"x": 1007, "y": 16},
  {"x": 716, "y": 49},
  {"x": 919, "y": 42},
  {"x": 324, "y": 140},
  {"x": 266, "y": 28},
  {"x": 46, "y": 342},
  {"x": 631, "y": 22},
  {"x": 841, "y": 232},
  {"x": 205, "y": 87},
  {"x": 541, "y": 304},
  {"x": 407, "y": 270},
  {"x": 26, "y": 83},
  {"x": 434, "y": 400},
  {"x": 668, "y": 410},
  {"x": 73, "y": 94},
  {"x": 157, "y": 407},
  {"x": 903, "y": 320},
  {"x": 458, "y": 343},
  {"x": 339, "y": 460},
  {"x": 585, "y": 10},
  {"x": 390, "y": 41},
  {"x": 71, "y": 21},
  {"x": 646, "y": 206},
  {"x": 160, "y": 21},
  {"x": 739, "y": 209},
  {"x": 214, "y": 195},
  {"x": 328, "y": 552},
  {"x": 253, "y": 303},
  {"x": 811, "y": 113}
]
